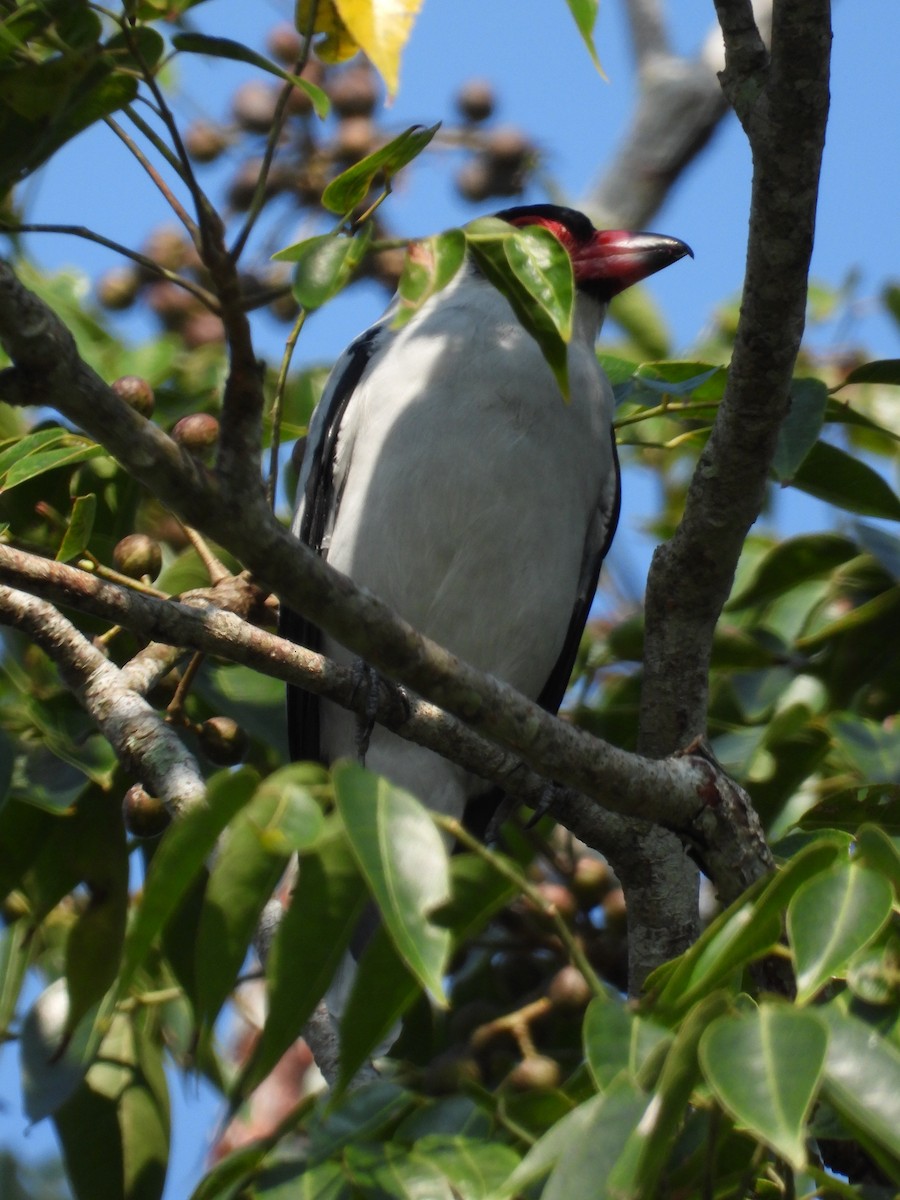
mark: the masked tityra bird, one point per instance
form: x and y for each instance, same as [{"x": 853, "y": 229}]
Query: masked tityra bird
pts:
[{"x": 444, "y": 471}]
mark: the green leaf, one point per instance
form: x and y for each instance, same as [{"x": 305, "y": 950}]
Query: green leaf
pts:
[
  {"x": 682, "y": 379},
  {"x": 324, "y": 265},
  {"x": 383, "y": 990},
  {"x": 831, "y": 917},
  {"x": 868, "y": 746},
  {"x": 543, "y": 267},
  {"x": 873, "y": 848},
  {"x": 885, "y": 370},
  {"x": 584, "y": 13},
  {"x": 765, "y": 1069},
  {"x": 27, "y": 457},
  {"x": 351, "y": 187},
  {"x": 801, "y": 428},
  {"x": 581, "y": 1149},
  {"x": 246, "y": 869},
  {"x": 78, "y": 531},
  {"x": 363, "y": 1115},
  {"x": 649, "y": 1147},
  {"x": 475, "y": 1167},
  {"x": 790, "y": 563},
  {"x": 388, "y": 1170},
  {"x": 123, "y": 1106},
  {"x": 428, "y": 267},
  {"x": 219, "y": 47},
  {"x": 311, "y": 940},
  {"x": 529, "y": 290},
  {"x": 850, "y": 807},
  {"x": 15, "y": 942},
  {"x": 837, "y": 477},
  {"x": 617, "y": 1041},
  {"x": 179, "y": 858},
  {"x": 744, "y": 932},
  {"x": 404, "y": 860},
  {"x": 862, "y": 1079}
]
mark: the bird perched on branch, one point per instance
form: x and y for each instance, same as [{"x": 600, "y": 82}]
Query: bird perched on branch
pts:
[{"x": 445, "y": 472}]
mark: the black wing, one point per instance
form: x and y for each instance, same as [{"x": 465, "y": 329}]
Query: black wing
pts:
[
  {"x": 598, "y": 543},
  {"x": 319, "y": 502}
]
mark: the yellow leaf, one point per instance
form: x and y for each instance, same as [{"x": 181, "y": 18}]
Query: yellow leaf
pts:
[
  {"x": 381, "y": 28},
  {"x": 336, "y": 44}
]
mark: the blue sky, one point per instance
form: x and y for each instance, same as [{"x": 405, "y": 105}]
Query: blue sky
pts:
[{"x": 547, "y": 85}]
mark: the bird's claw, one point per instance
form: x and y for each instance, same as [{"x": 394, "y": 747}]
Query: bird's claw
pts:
[
  {"x": 543, "y": 806},
  {"x": 376, "y": 689}
]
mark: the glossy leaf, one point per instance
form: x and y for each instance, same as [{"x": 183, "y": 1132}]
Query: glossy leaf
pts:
[
  {"x": 324, "y": 266},
  {"x": 831, "y": 917},
  {"x": 580, "y": 1150},
  {"x": 616, "y": 1040},
  {"x": 381, "y": 29},
  {"x": 682, "y": 379},
  {"x": 388, "y": 1170},
  {"x": 801, "y": 427},
  {"x": 831, "y": 474},
  {"x": 14, "y": 961},
  {"x": 474, "y": 1167},
  {"x": 427, "y": 269},
  {"x": 219, "y": 47},
  {"x": 765, "y": 1069},
  {"x": 867, "y": 745},
  {"x": 873, "y": 848},
  {"x": 403, "y": 858},
  {"x": 70, "y": 451},
  {"x": 549, "y": 326},
  {"x": 362, "y": 1115},
  {"x": 180, "y": 856},
  {"x": 245, "y": 870},
  {"x": 53, "y": 1062},
  {"x": 352, "y": 186},
  {"x": 78, "y": 531},
  {"x": 367, "y": 1028},
  {"x": 311, "y": 940},
  {"x": 792, "y": 562},
  {"x": 850, "y": 807},
  {"x": 123, "y": 1107},
  {"x": 862, "y": 1079},
  {"x": 884, "y": 370},
  {"x": 646, "y": 1153},
  {"x": 584, "y": 13},
  {"x": 742, "y": 933}
]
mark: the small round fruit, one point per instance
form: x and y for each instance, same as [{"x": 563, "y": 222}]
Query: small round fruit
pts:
[
  {"x": 353, "y": 91},
  {"x": 284, "y": 43},
  {"x": 253, "y": 106},
  {"x": 118, "y": 287},
  {"x": 205, "y": 141},
  {"x": 145, "y": 816},
  {"x": 138, "y": 556},
  {"x": 538, "y": 1072},
  {"x": 136, "y": 392},
  {"x": 569, "y": 989},
  {"x": 197, "y": 432},
  {"x": 475, "y": 100},
  {"x": 222, "y": 741}
]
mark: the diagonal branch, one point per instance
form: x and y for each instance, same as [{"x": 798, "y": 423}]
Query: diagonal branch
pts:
[
  {"x": 684, "y": 792},
  {"x": 147, "y": 747},
  {"x": 785, "y": 111}
]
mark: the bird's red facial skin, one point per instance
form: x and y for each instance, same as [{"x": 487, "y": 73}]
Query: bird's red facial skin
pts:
[{"x": 611, "y": 260}]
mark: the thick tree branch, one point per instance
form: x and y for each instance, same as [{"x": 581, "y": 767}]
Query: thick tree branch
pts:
[
  {"x": 685, "y": 793},
  {"x": 147, "y": 747},
  {"x": 692, "y": 574},
  {"x": 680, "y": 104}
]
